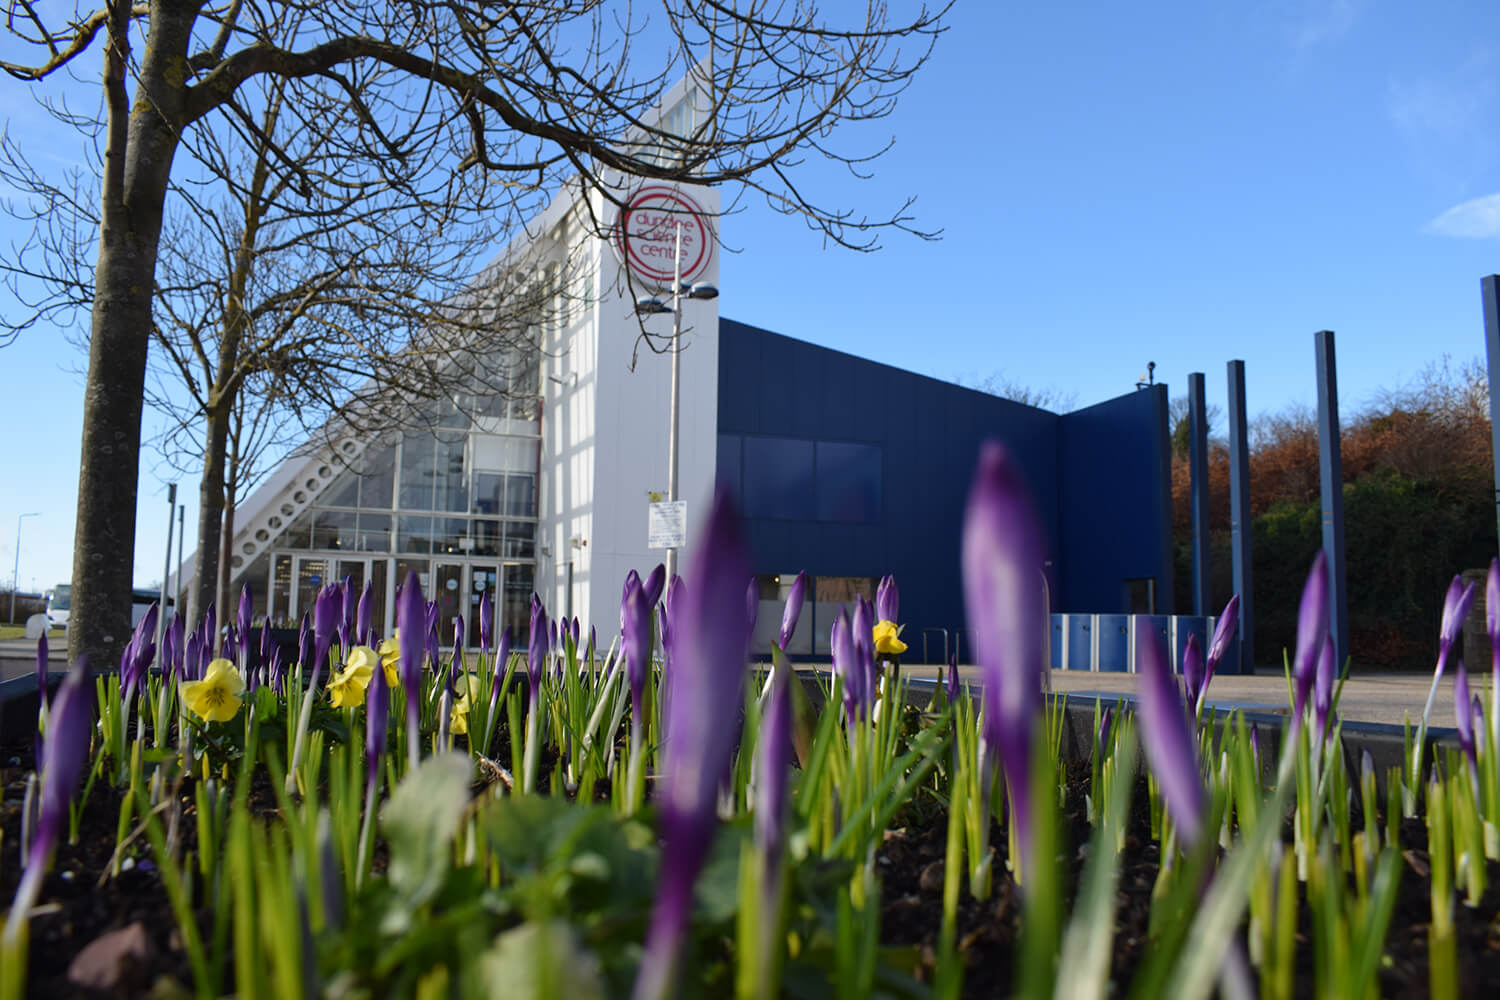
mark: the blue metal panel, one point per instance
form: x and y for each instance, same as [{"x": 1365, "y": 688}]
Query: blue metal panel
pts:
[
  {"x": 1182, "y": 627},
  {"x": 1198, "y": 489},
  {"x": 1331, "y": 474},
  {"x": 1080, "y": 643},
  {"x": 1240, "y": 531},
  {"x": 1113, "y": 636},
  {"x": 1057, "y": 641},
  {"x": 1161, "y": 624}
]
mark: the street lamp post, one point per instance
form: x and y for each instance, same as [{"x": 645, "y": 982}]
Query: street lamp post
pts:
[
  {"x": 700, "y": 290},
  {"x": 15, "y": 574}
]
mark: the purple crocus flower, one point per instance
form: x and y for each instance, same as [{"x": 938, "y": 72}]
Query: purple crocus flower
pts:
[
  {"x": 552, "y": 635},
  {"x": 1312, "y": 629},
  {"x": 171, "y": 649},
  {"x": 1193, "y": 672},
  {"x": 575, "y": 629},
  {"x": 1106, "y": 717},
  {"x": 139, "y": 653},
  {"x": 65, "y": 752},
  {"x": 793, "y": 610},
  {"x": 1323, "y": 691},
  {"x": 1492, "y": 625},
  {"x": 635, "y": 618},
  {"x": 1002, "y": 576},
  {"x": 701, "y": 710},
  {"x": 654, "y": 583},
  {"x": 191, "y": 661},
  {"x": 230, "y": 650},
  {"x": 502, "y": 656},
  {"x": 1168, "y": 738},
  {"x": 863, "y": 632},
  {"x": 364, "y": 613},
  {"x": 887, "y": 600},
  {"x": 953, "y": 676},
  {"x": 265, "y": 646},
  {"x": 208, "y": 635},
  {"x": 305, "y": 642},
  {"x": 752, "y": 603},
  {"x": 486, "y": 622},
  {"x": 1224, "y": 630},
  {"x": 276, "y": 672},
  {"x": 38, "y": 751}
]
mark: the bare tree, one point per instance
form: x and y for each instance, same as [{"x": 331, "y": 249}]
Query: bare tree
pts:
[
  {"x": 534, "y": 92},
  {"x": 997, "y": 384}
]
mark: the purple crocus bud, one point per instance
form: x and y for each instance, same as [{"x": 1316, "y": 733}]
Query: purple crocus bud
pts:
[
  {"x": 845, "y": 665},
  {"x": 863, "y": 632},
  {"x": 772, "y": 758},
  {"x": 230, "y": 650},
  {"x": 1476, "y": 712},
  {"x": 364, "y": 613},
  {"x": 1224, "y": 630},
  {"x": 1168, "y": 738},
  {"x": 575, "y": 629},
  {"x": 953, "y": 676},
  {"x": 1462, "y": 712},
  {"x": 277, "y": 672},
  {"x": 536, "y": 650},
  {"x": 377, "y": 716},
  {"x": 486, "y": 622},
  {"x": 411, "y": 627},
  {"x": 793, "y": 609},
  {"x": 669, "y": 607},
  {"x": 1312, "y": 628},
  {"x": 305, "y": 644},
  {"x": 351, "y": 604},
  {"x": 38, "y": 751},
  {"x": 245, "y": 613},
  {"x": 887, "y": 600},
  {"x": 501, "y": 658},
  {"x": 1193, "y": 672},
  {"x": 208, "y": 632},
  {"x": 1002, "y": 574},
  {"x": 175, "y": 642},
  {"x": 191, "y": 659},
  {"x": 66, "y": 749},
  {"x": 1106, "y": 717},
  {"x": 752, "y": 603},
  {"x": 264, "y": 658},
  {"x": 1455, "y": 609},
  {"x": 327, "y": 614},
  {"x": 654, "y": 583},
  {"x": 702, "y": 705},
  {"x": 635, "y": 616},
  {"x": 1323, "y": 690}
]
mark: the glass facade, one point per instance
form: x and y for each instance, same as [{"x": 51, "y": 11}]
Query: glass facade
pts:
[{"x": 453, "y": 500}]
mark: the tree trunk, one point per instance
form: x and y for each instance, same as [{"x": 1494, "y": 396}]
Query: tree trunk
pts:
[
  {"x": 210, "y": 515},
  {"x": 139, "y": 146}
]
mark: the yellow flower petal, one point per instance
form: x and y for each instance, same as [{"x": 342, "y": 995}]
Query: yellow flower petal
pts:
[
  {"x": 216, "y": 698},
  {"x": 887, "y": 639}
]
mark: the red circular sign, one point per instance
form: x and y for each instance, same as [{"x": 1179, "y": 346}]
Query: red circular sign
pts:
[{"x": 649, "y": 226}]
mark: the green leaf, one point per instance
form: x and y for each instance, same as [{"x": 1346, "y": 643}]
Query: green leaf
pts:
[
  {"x": 419, "y": 823},
  {"x": 542, "y": 960}
]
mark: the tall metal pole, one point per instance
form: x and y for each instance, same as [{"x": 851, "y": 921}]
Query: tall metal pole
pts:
[
  {"x": 181, "y": 515},
  {"x": 15, "y": 574},
  {"x": 1198, "y": 489},
  {"x": 676, "y": 385},
  {"x": 166, "y": 569},
  {"x": 1331, "y": 468},
  {"x": 1240, "y": 529}
]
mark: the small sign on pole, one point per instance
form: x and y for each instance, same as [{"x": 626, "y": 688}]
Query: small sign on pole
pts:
[{"x": 667, "y": 525}]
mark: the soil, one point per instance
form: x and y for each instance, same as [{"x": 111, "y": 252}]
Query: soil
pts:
[{"x": 78, "y": 906}]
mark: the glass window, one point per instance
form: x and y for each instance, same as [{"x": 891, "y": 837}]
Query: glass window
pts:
[
  {"x": 312, "y": 575},
  {"x": 417, "y": 566},
  {"x": 417, "y": 457},
  {"x": 414, "y": 534},
  {"x": 486, "y": 535},
  {"x": 299, "y": 534},
  {"x": 378, "y": 570},
  {"x": 844, "y": 589},
  {"x": 520, "y": 495},
  {"x": 501, "y": 453},
  {"x": 849, "y": 478},
  {"x": 515, "y": 609},
  {"x": 281, "y": 588},
  {"x": 377, "y": 475},
  {"x": 520, "y": 540},
  {"x": 778, "y": 478},
  {"x": 374, "y": 532},
  {"x": 344, "y": 492},
  {"x": 451, "y": 480},
  {"x": 333, "y": 529},
  {"x": 449, "y": 534},
  {"x": 489, "y": 492}
]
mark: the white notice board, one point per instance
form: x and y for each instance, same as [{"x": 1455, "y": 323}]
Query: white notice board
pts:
[{"x": 667, "y": 525}]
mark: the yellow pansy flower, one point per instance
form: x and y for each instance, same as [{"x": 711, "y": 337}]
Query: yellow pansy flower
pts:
[
  {"x": 458, "y": 719},
  {"x": 888, "y": 638},
  {"x": 390, "y": 659},
  {"x": 347, "y": 688},
  {"x": 217, "y": 696}
]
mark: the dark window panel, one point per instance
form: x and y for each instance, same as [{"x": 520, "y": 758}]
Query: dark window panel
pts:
[
  {"x": 778, "y": 478},
  {"x": 849, "y": 482}
]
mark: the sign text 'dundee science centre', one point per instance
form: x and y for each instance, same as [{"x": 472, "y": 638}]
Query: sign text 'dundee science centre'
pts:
[{"x": 649, "y": 224}]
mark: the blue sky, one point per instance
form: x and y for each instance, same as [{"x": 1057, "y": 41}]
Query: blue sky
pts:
[{"x": 1184, "y": 183}]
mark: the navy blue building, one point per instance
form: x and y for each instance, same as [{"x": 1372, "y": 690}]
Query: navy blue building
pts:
[{"x": 849, "y": 469}]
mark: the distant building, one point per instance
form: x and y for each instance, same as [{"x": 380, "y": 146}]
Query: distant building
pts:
[{"x": 843, "y": 467}]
